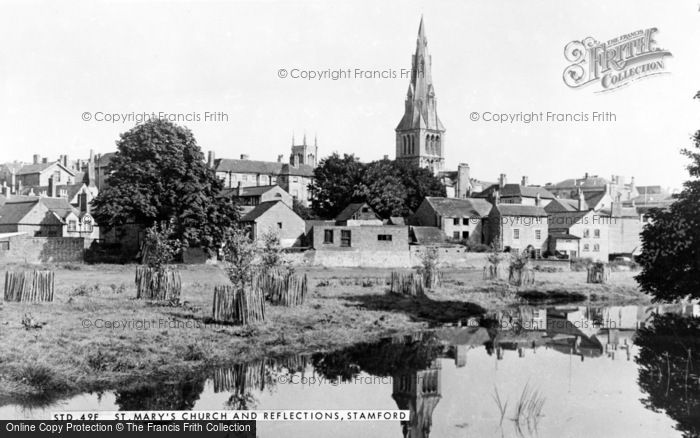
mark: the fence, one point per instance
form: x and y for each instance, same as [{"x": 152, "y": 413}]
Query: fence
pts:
[
  {"x": 598, "y": 273},
  {"x": 283, "y": 288},
  {"x": 521, "y": 276},
  {"x": 237, "y": 305},
  {"x": 32, "y": 286},
  {"x": 407, "y": 284},
  {"x": 157, "y": 283}
]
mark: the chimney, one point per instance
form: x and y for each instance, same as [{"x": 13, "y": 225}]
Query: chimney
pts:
[
  {"x": 386, "y": 157},
  {"x": 91, "y": 173},
  {"x": 210, "y": 159},
  {"x": 238, "y": 189},
  {"x": 51, "y": 193},
  {"x": 607, "y": 189},
  {"x": 524, "y": 181},
  {"x": 463, "y": 184},
  {"x": 6, "y": 191},
  {"x": 82, "y": 203},
  {"x": 632, "y": 183},
  {"x": 244, "y": 157},
  {"x": 36, "y": 158},
  {"x": 65, "y": 161},
  {"x": 538, "y": 200},
  {"x": 44, "y": 160},
  {"x": 13, "y": 180},
  {"x": 496, "y": 197},
  {"x": 280, "y": 158},
  {"x": 502, "y": 180},
  {"x": 92, "y": 155},
  {"x": 581, "y": 200},
  {"x": 585, "y": 175}
]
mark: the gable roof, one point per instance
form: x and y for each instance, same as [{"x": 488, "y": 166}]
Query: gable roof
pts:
[
  {"x": 520, "y": 210},
  {"x": 261, "y": 167},
  {"x": 559, "y": 205},
  {"x": 260, "y": 210},
  {"x": 593, "y": 198},
  {"x": 515, "y": 190},
  {"x": 71, "y": 189},
  {"x": 13, "y": 212},
  {"x": 454, "y": 207},
  {"x": 428, "y": 235},
  {"x": 40, "y": 167},
  {"x": 349, "y": 211},
  {"x": 60, "y": 206}
]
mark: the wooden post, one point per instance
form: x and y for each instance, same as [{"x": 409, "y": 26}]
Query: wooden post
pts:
[{"x": 36, "y": 286}]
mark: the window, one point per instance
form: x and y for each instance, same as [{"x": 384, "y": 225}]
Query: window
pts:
[
  {"x": 327, "y": 236},
  {"x": 273, "y": 180},
  {"x": 279, "y": 225},
  {"x": 295, "y": 179},
  {"x": 596, "y": 233},
  {"x": 87, "y": 224},
  {"x": 5, "y": 246},
  {"x": 538, "y": 253},
  {"x": 516, "y": 233},
  {"x": 465, "y": 221},
  {"x": 538, "y": 234},
  {"x": 586, "y": 233},
  {"x": 596, "y": 247},
  {"x": 384, "y": 237},
  {"x": 365, "y": 209},
  {"x": 465, "y": 235},
  {"x": 586, "y": 247},
  {"x": 455, "y": 221},
  {"x": 345, "y": 238},
  {"x": 72, "y": 225},
  {"x": 244, "y": 178},
  {"x": 455, "y": 234}
]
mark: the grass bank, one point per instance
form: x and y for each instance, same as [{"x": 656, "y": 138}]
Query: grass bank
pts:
[{"x": 96, "y": 336}]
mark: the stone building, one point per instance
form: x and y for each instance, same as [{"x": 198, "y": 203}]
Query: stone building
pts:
[
  {"x": 518, "y": 228},
  {"x": 580, "y": 234},
  {"x": 250, "y": 197},
  {"x": 616, "y": 186},
  {"x": 294, "y": 177},
  {"x": 420, "y": 135},
  {"x": 359, "y": 213},
  {"x": 46, "y": 217},
  {"x": 459, "y": 219},
  {"x": 38, "y": 173},
  {"x": 522, "y": 193},
  {"x": 278, "y": 217}
]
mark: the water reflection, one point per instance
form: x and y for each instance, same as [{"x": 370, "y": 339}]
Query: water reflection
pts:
[{"x": 572, "y": 362}]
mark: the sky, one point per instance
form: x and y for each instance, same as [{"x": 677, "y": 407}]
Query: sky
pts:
[{"x": 62, "y": 60}]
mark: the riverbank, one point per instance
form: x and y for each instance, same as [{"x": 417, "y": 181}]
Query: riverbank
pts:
[{"x": 96, "y": 336}]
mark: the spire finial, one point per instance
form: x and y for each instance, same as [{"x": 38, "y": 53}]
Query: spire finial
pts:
[
  {"x": 292, "y": 138},
  {"x": 304, "y": 138}
]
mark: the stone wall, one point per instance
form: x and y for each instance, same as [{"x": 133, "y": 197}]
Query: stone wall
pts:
[{"x": 35, "y": 250}]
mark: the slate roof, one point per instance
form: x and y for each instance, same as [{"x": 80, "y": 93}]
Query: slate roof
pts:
[
  {"x": 520, "y": 210},
  {"x": 591, "y": 181},
  {"x": 593, "y": 198},
  {"x": 428, "y": 235},
  {"x": 248, "y": 191},
  {"x": 561, "y": 205},
  {"x": 564, "y": 236},
  {"x": 71, "y": 189},
  {"x": 514, "y": 190},
  {"x": 259, "y": 210},
  {"x": 40, "y": 167},
  {"x": 60, "y": 206},
  {"x": 353, "y": 208},
  {"x": 261, "y": 167},
  {"x": 397, "y": 220},
  {"x": 454, "y": 207},
  {"x": 14, "y": 211}
]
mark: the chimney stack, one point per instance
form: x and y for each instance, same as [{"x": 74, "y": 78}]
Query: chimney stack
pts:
[
  {"x": 210, "y": 159},
  {"x": 502, "y": 180},
  {"x": 280, "y": 158},
  {"x": 238, "y": 189},
  {"x": 244, "y": 157},
  {"x": 35, "y": 159},
  {"x": 6, "y": 191},
  {"x": 524, "y": 181},
  {"x": 91, "y": 172},
  {"x": 386, "y": 157},
  {"x": 65, "y": 161},
  {"x": 581, "y": 200},
  {"x": 83, "y": 203},
  {"x": 538, "y": 200},
  {"x": 44, "y": 160},
  {"x": 51, "y": 193},
  {"x": 463, "y": 184}
]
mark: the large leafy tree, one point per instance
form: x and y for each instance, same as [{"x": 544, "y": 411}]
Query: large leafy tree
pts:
[
  {"x": 159, "y": 174},
  {"x": 670, "y": 256},
  {"x": 335, "y": 181},
  {"x": 391, "y": 188}
]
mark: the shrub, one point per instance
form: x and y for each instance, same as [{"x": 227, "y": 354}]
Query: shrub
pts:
[{"x": 580, "y": 263}]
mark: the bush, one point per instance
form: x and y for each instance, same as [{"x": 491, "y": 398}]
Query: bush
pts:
[
  {"x": 580, "y": 263},
  {"x": 41, "y": 378}
]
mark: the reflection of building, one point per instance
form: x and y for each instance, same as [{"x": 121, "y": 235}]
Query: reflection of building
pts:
[{"x": 419, "y": 392}]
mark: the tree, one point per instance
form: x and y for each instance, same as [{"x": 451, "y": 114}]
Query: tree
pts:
[
  {"x": 159, "y": 174},
  {"x": 670, "y": 258},
  {"x": 303, "y": 211},
  {"x": 160, "y": 247},
  {"x": 391, "y": 188},
  {"x": 335, "y": 181}
]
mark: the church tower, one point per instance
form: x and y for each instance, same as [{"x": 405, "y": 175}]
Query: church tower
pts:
[
  {"x": 303, "y": 153},
  {"x": 420, "y": 136}
]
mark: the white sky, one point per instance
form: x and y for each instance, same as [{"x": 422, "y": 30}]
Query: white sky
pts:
[{"x": 60, "y": 59}]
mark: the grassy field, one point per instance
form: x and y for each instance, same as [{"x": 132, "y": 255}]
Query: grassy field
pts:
[{"x": 96, "y": 336}]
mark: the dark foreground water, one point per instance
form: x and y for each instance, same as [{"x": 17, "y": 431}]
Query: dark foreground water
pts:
[{"x": 564, "y": 371}]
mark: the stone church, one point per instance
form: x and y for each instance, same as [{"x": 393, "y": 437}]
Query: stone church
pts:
[{"x": 420, "y": 135}]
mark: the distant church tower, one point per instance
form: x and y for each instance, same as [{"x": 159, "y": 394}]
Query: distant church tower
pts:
[
  {"x": 303, "y": 153},
  {"x": 420, "y": 136}
]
